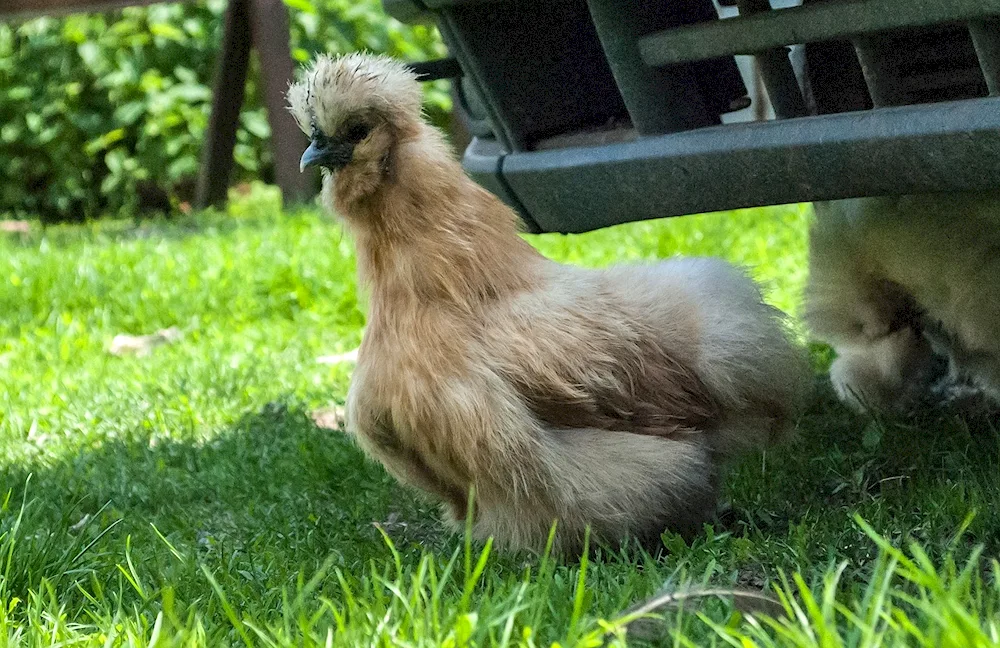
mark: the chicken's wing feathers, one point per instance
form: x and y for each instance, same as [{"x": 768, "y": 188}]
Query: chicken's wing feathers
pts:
[{"x": 624, "y": 381}]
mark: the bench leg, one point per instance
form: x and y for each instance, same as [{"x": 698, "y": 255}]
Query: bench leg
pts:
[
  {"x": 269, "y": 23},
  {"x": 264, "y": 24},
  {"x": 227, "y": 99}
]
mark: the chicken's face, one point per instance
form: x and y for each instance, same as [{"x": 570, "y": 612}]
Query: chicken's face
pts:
[
  {"x": 354, "y": 109},
  {"x": 336, "y": 150}
]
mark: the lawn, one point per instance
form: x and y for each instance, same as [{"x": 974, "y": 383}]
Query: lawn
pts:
[{"x": 187, "y": 498}]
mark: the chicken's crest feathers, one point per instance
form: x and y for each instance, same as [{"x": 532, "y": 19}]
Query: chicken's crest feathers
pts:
[{"x": 335, "y": 88}]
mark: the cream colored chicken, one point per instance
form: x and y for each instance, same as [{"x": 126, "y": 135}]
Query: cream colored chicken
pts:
[
  {"x": 605, "y": 398},
  {"x": 895, "y": 283}
]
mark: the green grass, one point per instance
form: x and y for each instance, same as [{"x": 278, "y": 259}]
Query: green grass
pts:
[{"x": 186, "y": 498}]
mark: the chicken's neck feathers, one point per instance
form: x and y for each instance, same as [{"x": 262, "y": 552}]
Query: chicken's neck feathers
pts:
[{"x": 430, "y": 233}]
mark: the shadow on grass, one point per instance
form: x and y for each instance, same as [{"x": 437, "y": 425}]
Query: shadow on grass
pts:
[
  {"x": 273, "y": 496},
  {"x": 914, "y": 479},
  {"x": 270, "y": 495}
]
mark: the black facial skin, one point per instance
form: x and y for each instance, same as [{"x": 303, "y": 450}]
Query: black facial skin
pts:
[{"x": 335, "y": 152}]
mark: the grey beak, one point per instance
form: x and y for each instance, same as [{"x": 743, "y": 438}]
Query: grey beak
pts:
[
  {"x": 313, "y": 156},
  {"x": 329, "y": 153}
]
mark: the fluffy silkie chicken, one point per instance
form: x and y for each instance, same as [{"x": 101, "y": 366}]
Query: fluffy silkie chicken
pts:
[
  {"x": 907, "y": 291},
  {"x": 605, "y": 398}
]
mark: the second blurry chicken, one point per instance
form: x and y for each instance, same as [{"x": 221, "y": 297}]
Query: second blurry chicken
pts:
[
  {"x": 898, "y": 283},
  {"x": 602, "y": 398}
]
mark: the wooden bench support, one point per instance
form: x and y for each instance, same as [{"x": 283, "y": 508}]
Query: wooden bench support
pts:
[
  {"x": 263, "y": 24},
  {"x": 229, "y": 88},
  {"x": 269, "y": 25}
]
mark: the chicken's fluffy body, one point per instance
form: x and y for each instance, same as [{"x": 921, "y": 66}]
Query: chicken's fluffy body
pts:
[
  {"x": 896, "y": 282},
  {"x": 602, "y": 398}
]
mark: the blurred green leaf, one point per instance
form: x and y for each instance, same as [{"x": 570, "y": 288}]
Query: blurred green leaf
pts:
[
  {"x": 301, "y": 5},
  {"x": 182, "y": 167},
  {"x": 167, "y": 31},
  {"x": 18, "y": 93},
  {"x": 256, "y": 123},
  {"x": 104, "y": 141},
  {"x": 130, "y": 112},
  {"x": 192, "y": 92},
  {"x": 90, "y": 53}
]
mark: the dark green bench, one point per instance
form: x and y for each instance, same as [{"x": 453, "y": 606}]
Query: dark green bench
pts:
[{"x": 588, "y": 113}]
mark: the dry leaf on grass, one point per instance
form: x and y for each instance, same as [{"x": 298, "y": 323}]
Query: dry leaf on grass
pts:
[
  {"x": 329, "y": 418},
  {"x": 142, "y": 345},
  {"x": 15, "y": 226},
  {"x": 350, "y": 356},
  {"x": 76, "y": 528}
]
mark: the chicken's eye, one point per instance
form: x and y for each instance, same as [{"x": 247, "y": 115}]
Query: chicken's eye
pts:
[{"x": 356, "y": 132}]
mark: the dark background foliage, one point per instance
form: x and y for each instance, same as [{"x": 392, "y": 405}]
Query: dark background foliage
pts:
[{"x": 104, "y": 114}]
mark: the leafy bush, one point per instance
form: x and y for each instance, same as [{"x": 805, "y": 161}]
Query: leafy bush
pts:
[{"x": 104, "y": 113}]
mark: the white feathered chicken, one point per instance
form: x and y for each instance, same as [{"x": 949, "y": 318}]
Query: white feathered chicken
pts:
[
  {"x": 592, "y": 397},
  {"x": 895, "y": 283}
]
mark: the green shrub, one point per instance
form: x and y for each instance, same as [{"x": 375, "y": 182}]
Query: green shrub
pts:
[{"x": 106, "y": 113}]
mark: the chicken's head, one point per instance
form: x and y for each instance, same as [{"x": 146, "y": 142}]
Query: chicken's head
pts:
[{"x": 354, "y": 108}]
